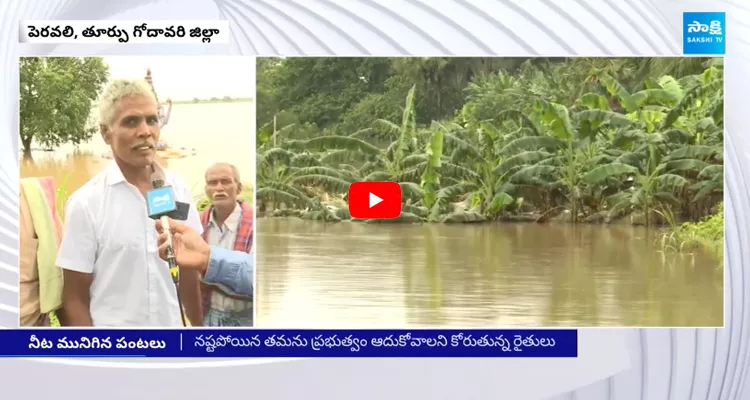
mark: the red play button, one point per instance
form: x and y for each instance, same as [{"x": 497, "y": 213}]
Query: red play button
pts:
[{"x": 374, "y": 200}]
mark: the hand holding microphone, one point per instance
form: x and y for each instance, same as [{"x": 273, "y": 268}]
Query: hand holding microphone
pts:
[
  {"x": 162, "y": 205},
  {"x": 189, "y": 248}
]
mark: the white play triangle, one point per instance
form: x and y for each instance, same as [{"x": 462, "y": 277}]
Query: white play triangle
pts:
[{"x": 374, "y": 200}]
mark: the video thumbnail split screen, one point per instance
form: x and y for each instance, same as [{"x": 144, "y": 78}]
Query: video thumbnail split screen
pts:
[{"x": 332, "y": 192}]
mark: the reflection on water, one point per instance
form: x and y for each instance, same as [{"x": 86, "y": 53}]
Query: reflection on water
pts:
[
  {"x": 219, "y": 132},
  {"x": 313, "y": 274}
]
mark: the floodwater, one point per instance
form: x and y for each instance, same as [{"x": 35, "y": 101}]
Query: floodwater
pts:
[
  {"x": 218, "y": 131},
  {"x": 315, "y": 274}
]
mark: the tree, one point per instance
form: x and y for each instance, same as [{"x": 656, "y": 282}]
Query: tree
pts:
[
  {"x": 57, "y": 94},
  {"x": 316, "y": 90}
]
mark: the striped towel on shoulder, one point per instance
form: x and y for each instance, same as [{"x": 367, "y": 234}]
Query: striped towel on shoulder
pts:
[{"x": 40, "y": 197}]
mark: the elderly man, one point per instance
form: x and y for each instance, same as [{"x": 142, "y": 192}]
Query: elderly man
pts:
[
  {"x": 228, "y": 224},
  {"x": 112, "y": 271}
]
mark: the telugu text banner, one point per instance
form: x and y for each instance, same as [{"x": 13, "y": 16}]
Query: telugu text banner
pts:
[
  {"x": 296, "y": 343},
  {"x": 124, "y": 32}
]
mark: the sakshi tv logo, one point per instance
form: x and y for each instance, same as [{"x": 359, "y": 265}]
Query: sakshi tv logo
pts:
[
  {"x": 158, "y": 200},
  {"x": 704, "y": 33}
]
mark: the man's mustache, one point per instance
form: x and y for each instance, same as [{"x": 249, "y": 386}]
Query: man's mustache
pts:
[
  {"x": 149, "y": 144},
  {"x": 219, "y": 196}
]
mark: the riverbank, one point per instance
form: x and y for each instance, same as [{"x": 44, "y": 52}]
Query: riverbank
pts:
[
  {"x": 676, "y": 237},
  {"x": 707, "y": 233},
  {"x": 337, "y": 212}
]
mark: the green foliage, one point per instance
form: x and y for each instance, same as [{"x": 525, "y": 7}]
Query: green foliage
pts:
[
  {"x": 62, "y": 194},
  {"x": 202, "y": 203},
  {"x": 706, "y": 233},
  {"x": 317, "y": 90},
  {"x": 386, "y": 105},
  {"x": 56, "y": 96},
  {"x": 710, "y": 228},
  {"x": 596, "y": 139},
  {"x": 54, "y": 321}
]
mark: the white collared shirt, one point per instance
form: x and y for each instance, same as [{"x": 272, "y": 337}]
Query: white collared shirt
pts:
[
  {"x": 224, "y": 236},
  {"x": 108, "y": 234}
]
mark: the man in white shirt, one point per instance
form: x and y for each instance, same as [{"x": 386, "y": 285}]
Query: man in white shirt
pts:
[{"x": 113, "y": 276}]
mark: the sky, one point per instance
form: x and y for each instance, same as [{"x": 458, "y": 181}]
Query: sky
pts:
[{"x": 189, "y": 77}]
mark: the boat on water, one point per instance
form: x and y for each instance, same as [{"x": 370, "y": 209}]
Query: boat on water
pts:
[{"x": 163, "y": 149}]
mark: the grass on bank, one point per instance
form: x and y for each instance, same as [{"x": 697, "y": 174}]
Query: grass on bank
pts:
[
  {"x": 707, "y": 233},
  {"x": 62, "y": 194}
]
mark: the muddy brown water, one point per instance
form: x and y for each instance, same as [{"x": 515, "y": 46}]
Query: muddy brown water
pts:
[{"x": 314, "y": 274}]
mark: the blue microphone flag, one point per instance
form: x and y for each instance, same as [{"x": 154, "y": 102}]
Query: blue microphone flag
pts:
[{"x": 160, "y": 201}]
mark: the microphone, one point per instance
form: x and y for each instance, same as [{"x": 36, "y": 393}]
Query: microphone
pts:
[
  {"x": 179, "y": 212},
  {"x": 161, "y": 204}
]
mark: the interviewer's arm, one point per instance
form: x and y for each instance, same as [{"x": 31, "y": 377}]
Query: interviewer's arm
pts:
[
  {"x": 76, "y": 257},
  {"x": 190, "y": 289},
  {"x": 231, "y": 269}
]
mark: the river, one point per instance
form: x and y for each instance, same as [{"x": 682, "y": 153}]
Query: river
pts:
[
  {"x": 218, "y": 131},
  {"x": 314, "y": 274}
]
